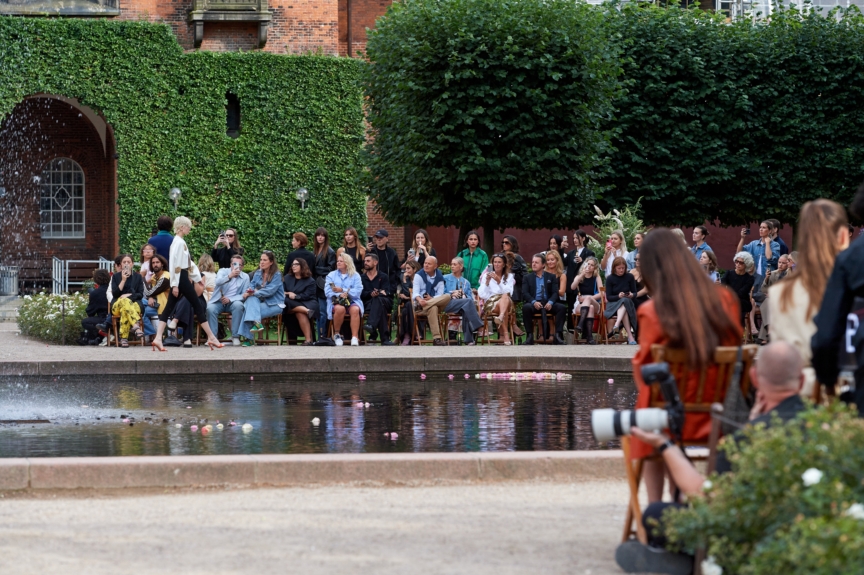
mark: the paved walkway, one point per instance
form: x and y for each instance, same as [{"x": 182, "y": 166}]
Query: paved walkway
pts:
[
  {"x": 20, "y": 355},
  {"x": 518, "y": 528}
]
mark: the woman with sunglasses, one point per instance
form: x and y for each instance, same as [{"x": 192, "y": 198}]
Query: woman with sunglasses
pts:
[
  {"x": 230, "y": 242},
  {"x": 301, "y": 301},
  {"x": 264, "y": 298},
  {"x": 740, "y": 280}
]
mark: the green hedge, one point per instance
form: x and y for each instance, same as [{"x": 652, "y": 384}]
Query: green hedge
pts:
[{"x": 302, "y": 125}]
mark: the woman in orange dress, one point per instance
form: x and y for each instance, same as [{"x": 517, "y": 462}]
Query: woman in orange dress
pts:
[{"x": 687, "y": 311}]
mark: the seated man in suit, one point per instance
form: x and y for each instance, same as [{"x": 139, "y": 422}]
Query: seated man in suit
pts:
[{"x": 540, "y": 292}]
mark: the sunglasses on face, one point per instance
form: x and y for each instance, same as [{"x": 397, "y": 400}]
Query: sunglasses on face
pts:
[
  {"x": 295, "y": 264},
  {"x": 229, "y": 235},
  {"x": 739, "y": 263},
  {"x": 505, "y": 243}
]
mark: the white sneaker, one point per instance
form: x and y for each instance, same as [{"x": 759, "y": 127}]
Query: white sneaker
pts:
[
  {"x": 338, "y": 339},
  {"x": 235, "y": 341},
  {"x": 355, "y": 341}
]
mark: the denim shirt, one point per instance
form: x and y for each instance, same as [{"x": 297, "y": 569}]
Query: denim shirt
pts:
[
  {"x": 452, "y": 283},
  {"x": 699, "y": 250},
  {"x": 757, "y": 249},
  {"x": 630, "y": 258}
]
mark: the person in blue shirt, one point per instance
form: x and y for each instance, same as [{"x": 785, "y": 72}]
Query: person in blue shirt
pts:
[
  {"x": 699, "y": 246},
  {"x": 161, "y": 242},
  {"x": 462, "y": 300},
  {"x": 263, "y": 298},
  {"x": 784, "y": 249},
  {"x": 344, "y": 291},
  {"x": 765, "y": 251}
]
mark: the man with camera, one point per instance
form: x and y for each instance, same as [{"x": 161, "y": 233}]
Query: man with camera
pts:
[
  {"x": 778, "y": 378},
  {"x": 230, "y": 285}
]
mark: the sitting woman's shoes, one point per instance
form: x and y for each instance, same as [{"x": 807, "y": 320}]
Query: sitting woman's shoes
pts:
[
  {"x": 187, "y": 343},
  {"x": 247, "y": 343},
  {"x": 498, "y": 320},
  {"x": 124, "y": 342},
  {"x": 257, "y": 327}
]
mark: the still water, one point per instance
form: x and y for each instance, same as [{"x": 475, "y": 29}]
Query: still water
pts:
[{"x": 436, "y": 414}]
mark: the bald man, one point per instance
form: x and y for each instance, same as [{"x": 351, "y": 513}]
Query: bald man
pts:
[
  {"x": 430, "y": 297},
  {"x": 778, "y": 377}
]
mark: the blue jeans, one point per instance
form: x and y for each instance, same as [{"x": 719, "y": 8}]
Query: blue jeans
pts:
[
  {"x": 149, "y": 312},
  {"x": 255, "y": 310},
  {"x": 235, "y": 308},
  {"x": 322, "y": 317}
]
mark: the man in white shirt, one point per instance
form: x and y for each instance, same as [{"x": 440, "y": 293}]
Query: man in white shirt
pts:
[
  {"x": 227, "y": 297},
  {"x": 430, "y": 297}
]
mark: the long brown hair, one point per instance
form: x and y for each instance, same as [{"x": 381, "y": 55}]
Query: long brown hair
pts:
[
  {"x": 428, "y": 243},
  {"x": 271, "y": 271},
  {"x": 687, "y": 302},
  {"x": 361, "y": 250},
  {"x": 323, "y": 246},
  {"x": 818, "y": 222}
]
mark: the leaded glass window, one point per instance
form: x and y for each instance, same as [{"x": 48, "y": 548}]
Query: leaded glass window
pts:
[{"x": 61, "y": 204}]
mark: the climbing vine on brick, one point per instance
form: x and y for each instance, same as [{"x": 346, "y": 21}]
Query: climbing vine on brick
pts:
[{"x": 302, "y": 125}]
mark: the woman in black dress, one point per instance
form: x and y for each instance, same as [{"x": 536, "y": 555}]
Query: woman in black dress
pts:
[
  {"x": 230, "y": 242},
  {"x": 325, "y": 262},
  {"x": 351, "y": 245},
  {"x": 301, "y": 301},
  {"x": 620, "y": 291},
  {"x": 740, "y": 280},
  {"x": 586, "y": 285},
  {"x": 403, "y": 293}
]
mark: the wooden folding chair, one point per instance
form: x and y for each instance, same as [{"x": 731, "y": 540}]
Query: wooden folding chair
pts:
[
  {"x": 420, "y": 338},
  {"x": 223, "y": 317},
  {"x": 489, "y": 326},
  {"x": 115, "y": 328},
  {"x": 537, "y": 327},
  {"x": 263, "y": 337},
  {"x": 724, "y": 361}
]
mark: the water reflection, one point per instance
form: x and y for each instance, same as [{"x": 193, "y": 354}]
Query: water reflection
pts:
[{"x": 432, "y": 415}]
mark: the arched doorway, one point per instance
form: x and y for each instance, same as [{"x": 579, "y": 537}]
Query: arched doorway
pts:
[{"x": 58, "y": 187}]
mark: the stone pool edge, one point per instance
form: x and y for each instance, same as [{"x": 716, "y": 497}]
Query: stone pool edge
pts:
[
  {"x": 371, "y": 364},
  {"x": 305, "y": 469}
]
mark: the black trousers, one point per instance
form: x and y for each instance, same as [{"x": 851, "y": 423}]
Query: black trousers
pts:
[
  {"x": 652, "y": 519},
  {"x": 88, "y": 324},
  {"x": 378, "y": 308},
  {"x": 406, "y": 320},
  {"x": 558, "y": 310},
  {"x": 187, "y": 291}
]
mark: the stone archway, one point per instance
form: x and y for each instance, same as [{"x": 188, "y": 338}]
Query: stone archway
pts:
[{"x": 39, "y": 131}]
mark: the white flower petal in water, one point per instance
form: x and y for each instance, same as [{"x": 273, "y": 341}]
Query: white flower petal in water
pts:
[
  {"x": 811, "y": 477},
  {"x": 709, "y": 567},
  {"x": 855, "y": 511}
]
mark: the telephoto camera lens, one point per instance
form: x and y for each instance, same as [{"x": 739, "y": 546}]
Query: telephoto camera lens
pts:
[{"x": 609, "y": 424}]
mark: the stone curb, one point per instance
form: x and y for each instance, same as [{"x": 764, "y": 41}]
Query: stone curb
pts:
[
  {"x": 612, "y": 365},
  {"x": 299, "y": 470}
]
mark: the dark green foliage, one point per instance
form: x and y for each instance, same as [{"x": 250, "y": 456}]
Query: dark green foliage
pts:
[
  {"x": 302, "y": 125},
  {"x": 736, "y": 122},
  {"x": 488, "y": 112}
]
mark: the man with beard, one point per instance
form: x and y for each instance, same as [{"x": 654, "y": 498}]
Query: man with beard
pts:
[{"x": 377, "y": 300}]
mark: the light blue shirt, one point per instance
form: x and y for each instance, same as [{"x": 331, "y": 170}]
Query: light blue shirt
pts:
[
  {"x": 232, "y": 288},
  {"x": 352, "y": 286},
  {"x": 757, "y": 249},
  {"x": 452, "y": 283},
  {"x": 698, "y": 250},
  {"x": 630, "y": 258}
]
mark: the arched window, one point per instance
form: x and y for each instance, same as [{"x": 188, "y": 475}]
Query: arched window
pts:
[{"x": 61, "y": 203}]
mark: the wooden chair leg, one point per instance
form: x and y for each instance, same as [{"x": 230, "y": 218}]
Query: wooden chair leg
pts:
[
  {"x": 634, "y": 511},
  {"x": 114, "y": 321}
]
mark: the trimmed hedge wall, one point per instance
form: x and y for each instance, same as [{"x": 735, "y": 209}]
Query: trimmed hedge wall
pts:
[{"x": 302, "y": 126}]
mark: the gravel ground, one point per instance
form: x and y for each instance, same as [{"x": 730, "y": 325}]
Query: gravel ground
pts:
[{"x": 525, "y": 528}]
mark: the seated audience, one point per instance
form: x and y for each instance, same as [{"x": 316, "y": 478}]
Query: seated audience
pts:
[
  {"x": 642, "y": 293},
  {"x": 344, "y": 290},
  {"x": 475, "y": 259},
  {"x": 147, "y": 253},
  {"x": 708, "y": 261},
  {"x": 405, "y": 330},
  {"x": 574, "y": 261},
  {"x": 325, "y": 262},
  {"x": 155, "y": 292},
  {"x": 555, "y": 266},
  {"x": 127, "y": 289},
  {"x": 230, "y": 242},
  {"x": 764, "y": 251},
  {"x": 430, "y": 297},
  {"x": 616, "y": 247},
  {"x": 301, "y": 301},
  {"x": 97, "y": 308},
  {"x": 541, "y": 292},
  {"x": 208, "y": 275},
  {"x": 351, "y": 245},
  {"x": 556, "y": 244},
  {"x": 740, "y": 280},
  {"x": 377, "y": 300},
  {"x": 496, "y": 291},
  {"x": 760, "y": 297},
  {"x": 229, "y": 286},
  {"x": 388, "y": 261},
  {"x": 630, "y": 258},
  {"x": 586, "y": 285},
  {"x": 421, "y": 248},
  {"x": 518, "y": 267},
  {"x": 263, "y": 298},
  {"x": 699, "y": 244},
  {"x": 686, "y": 311},
  {"x": 778, "y": 378},
  {"x": 299, "y": 241},
  {"x": 462, "y": 300},
  {"x": 621, "y": 290}
]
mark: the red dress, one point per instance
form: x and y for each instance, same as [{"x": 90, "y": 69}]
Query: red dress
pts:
[{"x": 697, "y": 426}]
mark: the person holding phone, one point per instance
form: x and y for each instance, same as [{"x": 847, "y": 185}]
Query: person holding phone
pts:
[
  {"x": 228, "y": 289},
  {"x": 127, "y": 289},
  {"x": 765, "y": 251},
  {"x": 230, "y": 242},
  {"x": 351, "y": 245},
  {"x": 616, "y": 247},
  {"x": 620, "y": 292},
  {"x": 421, "y": 248}
]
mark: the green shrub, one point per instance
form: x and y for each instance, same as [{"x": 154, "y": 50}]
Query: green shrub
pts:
[
  {"x": 45, "y": 317},
  {"x": 765, "y": 519}
]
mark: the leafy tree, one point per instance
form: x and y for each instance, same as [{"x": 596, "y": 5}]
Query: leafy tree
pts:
[{"x": 489, "y": 113}]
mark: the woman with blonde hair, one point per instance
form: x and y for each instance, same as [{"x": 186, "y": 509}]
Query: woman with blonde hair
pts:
[
  {"x": 555, "y": 266},
  {"x": 616, "y": 247},
  {"x": 587, "y": 285},
  {"x": 344, "y": 289},
  {"x": 794, "y": 302}
]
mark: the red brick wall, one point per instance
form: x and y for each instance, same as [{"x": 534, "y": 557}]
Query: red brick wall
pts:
[
  {"x": 37, "y": 131},
  {"x": 377, "y": 221},
  {"x": 363, "y": 15}
]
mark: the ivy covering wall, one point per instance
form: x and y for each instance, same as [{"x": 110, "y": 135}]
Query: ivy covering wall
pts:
[{"x": 302, "y": 126}]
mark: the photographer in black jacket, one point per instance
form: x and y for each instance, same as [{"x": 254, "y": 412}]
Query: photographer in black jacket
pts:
[{"x": 388, "y": 261}]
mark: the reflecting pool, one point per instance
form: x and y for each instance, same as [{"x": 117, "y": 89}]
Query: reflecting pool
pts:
[{"x": 320, "y": 413}]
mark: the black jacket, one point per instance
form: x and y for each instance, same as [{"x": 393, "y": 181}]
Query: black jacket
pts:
[
  {"x": 741, "y": 285},
  {"x": 304, "y": 289},
  {"x": 550, "y": 291},
  {"x": 617, "y": 284},
  {"x": 324, "y": 264},
  {"x": 134, "y": 286},
  {"x": 301, "y": 254},
  {"x": 222, "y": 256},
  {"x": 97, "y": 306},
  {"x": 381, "y": 283},
  {"x": 388, "y": 264},
  {"x": 573, "y": 267}
]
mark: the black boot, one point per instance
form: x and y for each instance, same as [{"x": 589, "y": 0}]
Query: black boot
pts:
[{"x": 583, "y": 320}]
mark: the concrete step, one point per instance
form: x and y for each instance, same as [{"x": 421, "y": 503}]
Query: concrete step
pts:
[{"x": 10, "y": 301}]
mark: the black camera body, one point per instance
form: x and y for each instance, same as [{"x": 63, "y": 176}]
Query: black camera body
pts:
[{"x": 659, "y": 373}]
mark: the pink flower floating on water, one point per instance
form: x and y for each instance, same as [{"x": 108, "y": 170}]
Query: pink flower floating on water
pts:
[
  {"x": 610, "y": 380},
  {"x": 361, "y": 377},
  {"x": 467, "y": 376},
  {"x": 359, "y": 404},
  {"x": 366, "y": 404},
  {"x": 391, "y": 434},
  {"x": 193, "y": 428},
  {"x": 450, "y": 376},
  {"x": 422, "y": 376}
]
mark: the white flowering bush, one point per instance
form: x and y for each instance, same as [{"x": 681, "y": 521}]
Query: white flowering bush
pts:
[
  {"x": 628, "y": 221},
  {"x": 794, "y": 503},
  {"x": 42, "y": 316}
]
